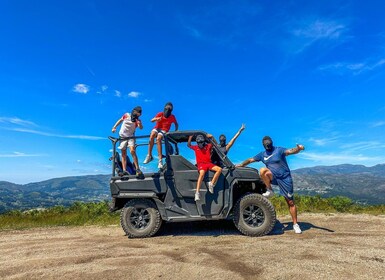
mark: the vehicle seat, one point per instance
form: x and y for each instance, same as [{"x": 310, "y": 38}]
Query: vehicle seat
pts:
[{"x": 179, "y": 163}]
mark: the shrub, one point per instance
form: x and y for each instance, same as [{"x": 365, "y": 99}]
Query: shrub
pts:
[{"x": 97, "y": 213}]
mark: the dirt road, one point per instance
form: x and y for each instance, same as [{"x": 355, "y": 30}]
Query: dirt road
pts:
[{"x": 331, "y": 247}]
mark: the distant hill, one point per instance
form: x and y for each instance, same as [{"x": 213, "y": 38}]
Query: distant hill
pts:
[
  {"x": 377, "y": 170},
  {"x": 360, "y": 183},
  {"x": 58, "y": 191}
]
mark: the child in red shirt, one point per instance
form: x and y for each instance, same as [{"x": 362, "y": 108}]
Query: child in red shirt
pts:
[
  {"x": 163, "y": 124},
  {"x": 203, "y": 158}
]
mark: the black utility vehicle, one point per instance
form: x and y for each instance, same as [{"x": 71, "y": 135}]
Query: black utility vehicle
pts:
[{"x": 168, "y": 194}]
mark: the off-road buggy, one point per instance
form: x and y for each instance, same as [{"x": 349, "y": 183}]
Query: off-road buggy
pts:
[{"x": 168, "y": 193}]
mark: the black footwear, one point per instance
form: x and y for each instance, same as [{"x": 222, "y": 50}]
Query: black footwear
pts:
[
  {"x": 139, "y": 174},
  {"x": 125, "y": 173}
]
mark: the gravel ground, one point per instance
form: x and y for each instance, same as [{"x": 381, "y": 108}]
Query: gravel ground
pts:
[{"x": 333, "y": 246}]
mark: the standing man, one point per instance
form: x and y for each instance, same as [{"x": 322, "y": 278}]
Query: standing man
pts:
[
  {"x": 277, "y": 172},
  {"x": 129, "y": 124}
]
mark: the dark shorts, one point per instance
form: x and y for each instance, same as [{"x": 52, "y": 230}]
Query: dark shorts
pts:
[
  {"x": 285, "y": 185},
  {"x": 205, "y": 166}
]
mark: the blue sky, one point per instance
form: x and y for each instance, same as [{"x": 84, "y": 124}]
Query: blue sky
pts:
[{"x": 309, "y": 72}]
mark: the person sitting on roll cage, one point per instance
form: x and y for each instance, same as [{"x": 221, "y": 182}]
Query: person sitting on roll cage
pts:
[
  {"x": 277, "y": 172},
  {"x": 163, "y": 123}
]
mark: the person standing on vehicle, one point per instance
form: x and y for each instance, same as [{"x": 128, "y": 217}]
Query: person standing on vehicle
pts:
[
  {"x": 225, "y": 147},
  {"x": 163, "y": 124},
  {"x": 129, "y": 124},
  {"x": 277, "y": 172},
  {"x": 203, "y": 157}
]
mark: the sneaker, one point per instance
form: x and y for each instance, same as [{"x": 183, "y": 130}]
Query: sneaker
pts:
[
  {"x": 139, "y": 174},
  {"x": 148, "y": 159},
  {"x": 268, "y": 193},
  {"x": 160, "y": 164},
  {"x": 211, "y": 187},
  {"x": 297, "y": 229},
  {"x": 197, "y": 196},
  {"x": 125, "y": 173}
]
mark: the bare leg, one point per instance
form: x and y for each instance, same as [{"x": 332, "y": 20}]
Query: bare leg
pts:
[
  {"x": 159, "y": 145},
  {"x": 134, "y": 157},
  {"x": 200, "y": 179},
  {"x": 151, "y": 143},
  {"x": 292, "y": 210},
  {"x": 124, "y": 160},
  {"x": 266, "y": 177},
  {"x": 218, "y": 172}
]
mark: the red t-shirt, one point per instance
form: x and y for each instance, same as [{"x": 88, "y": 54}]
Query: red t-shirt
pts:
[
  {"x": 165, "y": 123},
  {"x": 202, "y": 155}
]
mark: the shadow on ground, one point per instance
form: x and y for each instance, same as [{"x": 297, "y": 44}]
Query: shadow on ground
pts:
[
  {"x": 224, "y": 227},
  {"x": 280, "y": 228}
]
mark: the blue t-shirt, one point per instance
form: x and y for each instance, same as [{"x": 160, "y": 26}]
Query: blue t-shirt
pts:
[{"x": 275, "y": 161}]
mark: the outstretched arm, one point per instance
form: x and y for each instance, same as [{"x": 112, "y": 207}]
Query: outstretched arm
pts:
[
  {"x": 295, "y": 150},
  {"x": 231, "y": 143},
  {"x": 246, "y": 162},
  {"x": 116, "y": 125}
]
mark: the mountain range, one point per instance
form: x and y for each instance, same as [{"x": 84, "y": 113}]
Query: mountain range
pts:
[{"x": 360, "y": 183}]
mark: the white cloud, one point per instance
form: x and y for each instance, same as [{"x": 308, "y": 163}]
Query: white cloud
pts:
[
  {"x": 83, "y": 137},
  {"x": 341, "y": 68},
  {"x": 377, "y": 124},
  {"x": 363, "y": 146},
  {"x": 134, "y": 94},
  {"x": 118, "y": 93},
  {"x": 19, "y": 154},
  {"x": 16, "y": 121},
  {"x": 306, "y": 33},
  {"x": 323, "y": 141},
  {"x": 104, "y": 87},
  {"x": 20, "y": 122},
  {"x": 320, "y": 30},
  {"x": 81, "y": 88},
  {"x": 334, "y": 158}
]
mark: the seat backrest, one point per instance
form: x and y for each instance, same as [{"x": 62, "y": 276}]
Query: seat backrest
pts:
[{"x": 179, "y": 163}]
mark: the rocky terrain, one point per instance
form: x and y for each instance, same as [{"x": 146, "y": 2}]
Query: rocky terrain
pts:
[{"x": 334, "y": 246}]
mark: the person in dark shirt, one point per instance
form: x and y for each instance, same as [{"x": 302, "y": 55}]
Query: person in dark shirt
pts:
[
  {"x": 225, "y": 147},
  {"x": 277, "y": 172}
]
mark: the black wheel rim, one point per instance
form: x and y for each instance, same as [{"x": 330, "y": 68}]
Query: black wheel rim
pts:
[
  {"x": 253, "y": 216},
  {"x": 140, "y": 218}
]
